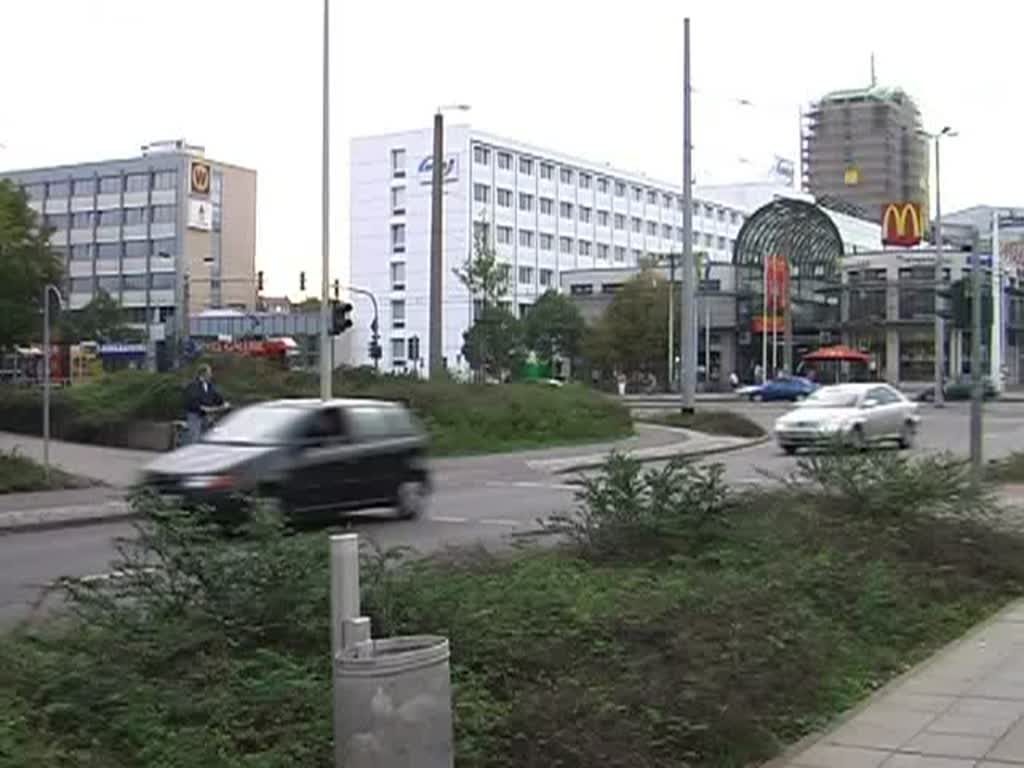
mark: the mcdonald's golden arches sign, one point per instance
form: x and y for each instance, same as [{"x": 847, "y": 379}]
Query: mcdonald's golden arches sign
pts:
[
  {"x": 199, "y": 178},
  {"x": 902, "y": 224}
]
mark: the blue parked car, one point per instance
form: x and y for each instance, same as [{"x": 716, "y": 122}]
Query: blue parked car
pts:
[{"x": 791, "y": 388}]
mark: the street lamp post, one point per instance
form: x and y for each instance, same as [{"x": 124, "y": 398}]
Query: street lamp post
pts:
[
  {"x": 435, "y": 337},
  {"x": 375, "y": 325},
  {"x": 687, "y": 305},
  {"x": 325, "y": 228},
  {"x": 48, "y": 289},
  {"x": 940, "y": 340}
]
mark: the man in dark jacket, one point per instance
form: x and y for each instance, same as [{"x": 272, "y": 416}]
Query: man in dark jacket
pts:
[{"x": 201, "y": 398}]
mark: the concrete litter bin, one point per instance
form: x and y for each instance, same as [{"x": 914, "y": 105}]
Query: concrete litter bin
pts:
[{"x": 392, "y": 704}]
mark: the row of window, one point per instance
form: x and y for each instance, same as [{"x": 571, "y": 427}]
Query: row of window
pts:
[
  {"x": 546, "y": 170},
  {"x": 603, "y": 184},
  {"x": 104, "y": 185},
  {"x": 113, "y": 284},
  {"x": 546, "y": 277},
  {"x": 112, "y": 218},
  {"x": 546, "y": 241},
  {"x": 528, "y": 203},
  {"x": 131, "y": 249}
]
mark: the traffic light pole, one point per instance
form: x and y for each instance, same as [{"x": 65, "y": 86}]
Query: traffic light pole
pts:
[{"x": 375, "y": 325}]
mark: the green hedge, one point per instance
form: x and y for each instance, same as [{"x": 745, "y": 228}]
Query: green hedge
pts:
[{"x": 462, "y": 418}]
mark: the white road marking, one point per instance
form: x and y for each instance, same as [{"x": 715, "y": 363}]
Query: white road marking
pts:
[
  {"x": 499, "y": 521},
  {"x": 109, "y": 575},
  {"x": 443, "y": 519}
]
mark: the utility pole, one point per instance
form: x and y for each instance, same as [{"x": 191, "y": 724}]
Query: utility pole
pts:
[
  {"x": 435, "y": 337},
  {"x": 325, "y": 224},
  {"x": 670, "y": 375},
  {"x": 977, "y": 380},
  {"x": 940, "y": 337},
  {"x": 687, "y": 305}
]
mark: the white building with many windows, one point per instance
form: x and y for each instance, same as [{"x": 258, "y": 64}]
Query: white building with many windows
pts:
[{"x": 544, "y": 211}]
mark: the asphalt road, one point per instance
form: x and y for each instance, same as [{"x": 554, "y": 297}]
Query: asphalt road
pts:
[{"x": 484, "y": 499}]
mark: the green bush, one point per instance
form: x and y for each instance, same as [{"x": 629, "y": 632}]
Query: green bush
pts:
[
  {"x": 20, "y": 474},
  {"x": 712, "y": 423},
  {"x": 215, "y": 651},
  {"x": 890, "y": 485},
  {"x": 626, "y": 511},
  {"x": 461, "y": 418}
]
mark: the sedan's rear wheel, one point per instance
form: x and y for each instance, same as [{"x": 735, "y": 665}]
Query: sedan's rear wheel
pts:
[
  {"x": 411, "y": 498},
  {"x": 907, "y": 435},
  {"x": 789, "y": 449}
]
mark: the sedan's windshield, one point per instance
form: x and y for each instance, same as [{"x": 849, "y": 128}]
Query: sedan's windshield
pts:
[
  {"x": 832, "y": 398},
  {"x": 259, "y": 425}
]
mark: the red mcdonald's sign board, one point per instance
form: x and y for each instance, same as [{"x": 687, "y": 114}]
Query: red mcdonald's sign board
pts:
[{"x": 902, "y": 224}]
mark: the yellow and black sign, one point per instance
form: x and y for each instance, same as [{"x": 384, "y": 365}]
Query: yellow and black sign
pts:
[
  {"x": 902, "y": 224},
  {"x": 199, "y": 178}
]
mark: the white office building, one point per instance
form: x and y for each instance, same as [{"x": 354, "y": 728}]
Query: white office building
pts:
[{"x": 544, "y": 211}]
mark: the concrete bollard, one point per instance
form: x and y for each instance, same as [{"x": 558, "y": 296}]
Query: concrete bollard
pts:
[{"x": 392, "y": 697}]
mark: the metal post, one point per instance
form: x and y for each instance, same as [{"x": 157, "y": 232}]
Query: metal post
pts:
[
  {"x": 670, "y": 372},
  {"x": 325, "y": 223},
  {"x": 707, "y": 324},
  {"x": 996, "y": 331},
  {"x": 687, "y": 342},
  {"x": 435, "y": 339},
  {"x": 977, "y": 380},
  {"x": 46, "y": 382},
  {"x": 775, "y": 329},
  {"x": 764, "y": 319},
  {"x": 940, "y": 342}
]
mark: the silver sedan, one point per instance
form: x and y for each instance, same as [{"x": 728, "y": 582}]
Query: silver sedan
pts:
[{"x": 855, "y": 414}]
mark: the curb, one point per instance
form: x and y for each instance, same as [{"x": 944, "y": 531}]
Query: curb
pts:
[
  {"x": 785, "y": 758},
  {"x": 55, "y": 518},
  {"x": 669, "y": 454}
]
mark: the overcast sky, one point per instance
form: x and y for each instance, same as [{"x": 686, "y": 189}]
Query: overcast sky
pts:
[{"x": 95, "y": 79}]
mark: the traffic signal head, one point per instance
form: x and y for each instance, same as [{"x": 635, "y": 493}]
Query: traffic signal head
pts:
[
  {"x": 375, "y": 351},
  {"x": 302, "y": 281},
  {"x": 340, "y": 320},
  {"x": 259, "y": 280}
]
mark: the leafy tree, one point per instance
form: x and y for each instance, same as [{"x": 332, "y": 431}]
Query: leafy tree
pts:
[
  {"x": 484, "y": 276},
  {"x": 494, "y": 344},
  {"x": 632, "y": 336},
  {"x": 27, "y": 264},
  {"x": 554, "y": 328},
  {"x": 102, "y": 319}
]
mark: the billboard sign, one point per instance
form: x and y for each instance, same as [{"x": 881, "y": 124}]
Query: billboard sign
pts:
[
  {"x": 200, "y": 214},
  {"x": 902, "y": 224},
  {"x": 426, "y": 169},
  {"x": 199, "y": 178}
]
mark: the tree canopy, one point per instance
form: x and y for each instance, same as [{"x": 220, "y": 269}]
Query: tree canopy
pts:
[
  {"x": 632, "y": 336},
  {"x": 27, "y": 264},
  {"x": 102, "y": 319},
  {"x": 554, "y": 328},
  {"x": 493, "y": 345}
]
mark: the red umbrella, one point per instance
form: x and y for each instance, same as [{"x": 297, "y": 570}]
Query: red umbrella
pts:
[{"x": 839, "y": 353}]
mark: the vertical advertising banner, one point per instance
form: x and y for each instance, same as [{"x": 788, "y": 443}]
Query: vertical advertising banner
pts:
[{"x": 772, "y": 316}]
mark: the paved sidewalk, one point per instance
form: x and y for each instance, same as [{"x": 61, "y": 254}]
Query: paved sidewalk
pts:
[
  {"x": 962, "y": 709},
  {"x": 118, "y": 467}
]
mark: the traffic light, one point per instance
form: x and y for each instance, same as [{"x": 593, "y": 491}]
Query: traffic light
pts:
[
  {"x": 414, "y": 348},
  {"x": 259, "y": 281},
  {"x": 375, "y": 351},
  {"x": 302, "y": 281},
  {"x": 337, "y": 289},
  {"x": 340, "y": 320}
]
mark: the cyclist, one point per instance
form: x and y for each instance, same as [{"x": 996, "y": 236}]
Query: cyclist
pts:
[{"x": 201, "y": 399}]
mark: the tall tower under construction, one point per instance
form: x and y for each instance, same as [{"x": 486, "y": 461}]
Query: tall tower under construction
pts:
[{"x": 864, "y": 148}]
